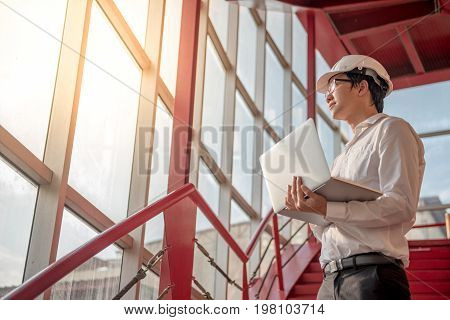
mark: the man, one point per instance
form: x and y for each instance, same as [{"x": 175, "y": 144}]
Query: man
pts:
[{"x": 364, "y": 248}]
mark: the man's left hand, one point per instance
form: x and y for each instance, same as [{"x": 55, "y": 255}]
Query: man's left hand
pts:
[{"x": 301, "y": 198}]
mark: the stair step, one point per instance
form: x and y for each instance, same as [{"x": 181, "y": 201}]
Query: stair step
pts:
[
  {"x": 428, "y": 296},
  {"x": 314, "y": 267},
  {"x": 429, "y": 264},
  {"x": 434, "y": 287},
  {"x": 311, "y": 277},
  {"x": 303, "y": 297},
  {"x": 428, "y": 275},
  {"x": 307, "y": 288},
  {"x": 430, "y": 253}
]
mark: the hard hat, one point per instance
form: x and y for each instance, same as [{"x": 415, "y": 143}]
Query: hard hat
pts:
[{"x": 365, "y": 65}]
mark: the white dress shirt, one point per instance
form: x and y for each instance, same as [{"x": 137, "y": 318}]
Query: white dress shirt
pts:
[{"x": 385, "y": 154}]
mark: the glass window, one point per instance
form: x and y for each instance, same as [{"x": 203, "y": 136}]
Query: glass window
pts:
[
  {"x": 326, "y": 136},
  {"x": 425, "y": 107},
  {"x": 17, "y": 198},
  {"x": 209, "y": 188},
  {"x": 266, "y": 203},
  {"x": 276, "y": 28},
  {"x": 171, "y": 43},
  {"x": 273, "y": 92},
  {"x": 162, "y": 143},
  {"x": 96, "y": 279},
  {"x": 436, "y": 180},
  {"x": 106, "y": 123},
  {"x": 29, "y": 58},
  {"x": 135, "y": 13},
  {"x": 299, "y": 50},
  {"x": 299, "y": 107},
  {"x": 321, "y": 68},
  {"x": 159, "y": 179},
  {"x": 149, "y": 287},
  {"x": 246, "y": 62},
  {"x": 244, "y": 137},
  {"x": 240, "y": 231},
  {"x": 218, "y": 13},
  {"x": 213, "y": 102}
]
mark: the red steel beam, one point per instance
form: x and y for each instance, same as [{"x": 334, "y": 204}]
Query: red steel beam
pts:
[
  {"x": 311, "y": 81},
  {"x": 179, "y": 220},
  {"x": 411, "y": 51},
  {"x": 421, "y": 79}
]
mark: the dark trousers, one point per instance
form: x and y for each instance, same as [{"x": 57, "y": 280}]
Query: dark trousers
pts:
[{"x": 374, "y": 282}]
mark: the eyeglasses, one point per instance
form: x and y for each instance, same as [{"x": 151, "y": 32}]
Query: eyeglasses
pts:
[{"x": 332, "y": 85}]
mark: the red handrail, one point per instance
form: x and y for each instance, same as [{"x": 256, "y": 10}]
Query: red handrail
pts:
[
  {"x": 431, "y": 225},
  {"x": 36, "y": 285}
]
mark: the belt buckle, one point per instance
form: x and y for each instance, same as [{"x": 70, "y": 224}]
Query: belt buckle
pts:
[{"x": 333, "y": 266}]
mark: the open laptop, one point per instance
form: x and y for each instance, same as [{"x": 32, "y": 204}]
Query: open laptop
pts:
[{"x": 300, "y": 154}]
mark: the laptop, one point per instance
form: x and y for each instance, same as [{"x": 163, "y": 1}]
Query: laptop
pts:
[{"x": 300, "y": 154}]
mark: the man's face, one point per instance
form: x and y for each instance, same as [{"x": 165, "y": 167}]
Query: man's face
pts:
[{"x": 341, "y": 97}]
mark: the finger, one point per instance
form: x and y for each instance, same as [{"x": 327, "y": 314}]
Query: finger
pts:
[
  {"x": 307, "y": 191},
  {"x": 300, "y": 191},
  {"x": 289, "y": 193},
  {"x": 294, "y": 190},
  {"x": 289, "y": 203}
]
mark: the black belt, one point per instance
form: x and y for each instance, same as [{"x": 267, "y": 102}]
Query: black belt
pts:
[{"x": 358, "y": 260}]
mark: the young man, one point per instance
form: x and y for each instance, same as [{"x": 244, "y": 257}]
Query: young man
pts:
[{"x": 364, "y": 249}]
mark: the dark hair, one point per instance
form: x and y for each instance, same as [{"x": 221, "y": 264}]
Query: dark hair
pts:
[{"x": 377, "y": 93}]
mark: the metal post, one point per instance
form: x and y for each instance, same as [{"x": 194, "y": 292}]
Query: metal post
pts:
[
  {"x": 179, "y": 220},
  {"x": 276, "y": 237}
]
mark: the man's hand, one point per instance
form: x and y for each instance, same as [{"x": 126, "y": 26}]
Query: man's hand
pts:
[{"x": 300, "y": 198}]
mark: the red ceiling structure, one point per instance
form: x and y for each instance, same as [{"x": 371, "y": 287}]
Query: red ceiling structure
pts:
[{"x": 411, "y": 38}]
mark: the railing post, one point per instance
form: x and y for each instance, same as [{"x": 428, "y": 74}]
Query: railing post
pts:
[
  {"x": 447, "y": 224},
  {"x": 179, "y": 220},
  {"x": 245, "y": 294},
  {"x": 276, "y": 237}
]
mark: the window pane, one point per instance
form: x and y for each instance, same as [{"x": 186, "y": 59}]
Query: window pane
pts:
[
  {"x": 246, "y": 62},
  {"x": 171, "y": 43},
  {"x": 135, "y": 13},
  {"x": 17, "y": 199},
  {"x": 321, "y": 68},
  {"x": 299, "y": 50},
  {"x": 213, "y": 102},
  {"x": 104, "y": 138},
  {"x": 205, "y": 233},
  {"x": 162, "y": 143},
  {"x": 244, "y": 137},
  {"x": 326, "y": 137},
  {"x": 149, "y": 287},
  {"x": 275, "y": 27},
  {"x": 426, "y": 108},
  {"x": 436, "y": 181},
  {"x": 273, "y": 92},
  {"x": 240, "y": 231},
  {"x": 159, "y": 179},
  {"x": 218, "y": 13},
  {"x": 299, "y": 107},
  {"x": 96, "y": 279},
  {"x": 29, "y": 58},
  {"x": 266, "y": 203}
]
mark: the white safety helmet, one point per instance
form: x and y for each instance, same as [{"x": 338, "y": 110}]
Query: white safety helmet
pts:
[{"x": 366, "y": 65}]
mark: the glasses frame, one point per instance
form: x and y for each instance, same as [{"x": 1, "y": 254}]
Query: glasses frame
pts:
[{"x": 332, "y": 85}]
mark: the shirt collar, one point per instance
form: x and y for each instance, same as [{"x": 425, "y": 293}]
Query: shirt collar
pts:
[
  {"x": 364, "y": 125},
  {"x": 369, "y": 122}
]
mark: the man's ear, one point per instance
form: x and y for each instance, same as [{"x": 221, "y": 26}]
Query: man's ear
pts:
[{"x": 363, "y": 87}]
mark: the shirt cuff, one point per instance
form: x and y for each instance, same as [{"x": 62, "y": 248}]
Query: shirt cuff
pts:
[{"x": 336, "y": 211}]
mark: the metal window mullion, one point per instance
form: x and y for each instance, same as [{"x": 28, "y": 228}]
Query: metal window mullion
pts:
[
  {"x": 58, "y": 150},
  {"x": 259, "y": 133},
  {"x": 222, "y": 252},
  {"x": 140, "y": 174}
]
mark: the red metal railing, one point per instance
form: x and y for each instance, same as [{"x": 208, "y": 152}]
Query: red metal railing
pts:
[{"x": 36, "y": 285}]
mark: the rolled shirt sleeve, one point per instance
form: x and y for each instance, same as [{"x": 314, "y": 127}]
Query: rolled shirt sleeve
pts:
[{"x": 400, "y": 165}]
